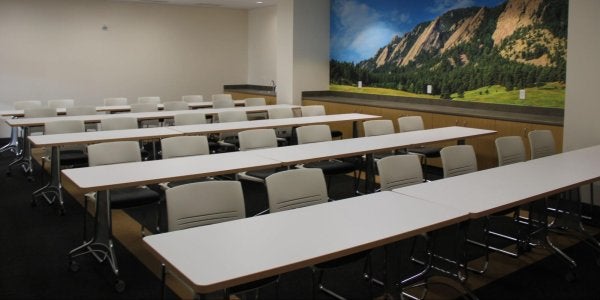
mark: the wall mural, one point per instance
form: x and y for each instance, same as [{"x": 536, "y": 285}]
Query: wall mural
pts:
[{"x": 493, "y": 51}]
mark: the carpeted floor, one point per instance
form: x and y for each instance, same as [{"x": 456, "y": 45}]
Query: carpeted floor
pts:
[{"x": 36, "y": 240}]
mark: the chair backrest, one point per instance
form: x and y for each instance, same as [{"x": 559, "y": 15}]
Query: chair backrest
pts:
[
  {"x": 541, "y": 143},
  {"x": 64, "y": 126},
  {"x": 192, "y": 98},
  {"x": 220, "y": 201},
  {"x": 61, "y": 103},
  {"x": 378, "y": 127},
  {"x": 313, "y": 133},
  {"x": 410, "y": 123},
  {"x": 280, "y": 113},
  {"x": 115, "y": 101},
  {"x": 397, "y": 171},
  {"x": 312, "y": 110},
  {"x": 151, "y": 100},
  {"x": 223, "y": 103},
  {"x": 27, "y": 104},
  {"x": 186, "y": 145},
  {"x": 81, "y": 110},
  {"x": 232, "y": 116},
  {"x": 221, "y": 97},
  {"x": 255, "y": 101},
  {"x": 296, "y": 188},
  {"x": 257, "y": 139},
  {"x": 113, "y": 153},
  {"x": 458, "y": 160},
  {"x": 118, "y": 123},
  {"x": 510, "y": 150},
  {"x": 144, "y": 107},
  {"x": 176, "y": 105},
  {"x": 190, "y": 118},
  {"x": 41, "y": 112}
]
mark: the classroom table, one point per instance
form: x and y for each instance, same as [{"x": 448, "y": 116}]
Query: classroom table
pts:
[
  {"x": 25, "y": 158},
  {"x": 273, "y": 123},
  {"x": 494, "y": 190},
  {"x": 312, "y": 152},
  {"x": 106, "y": 177},
  {"x": 209, "y": 258},
  {"x": 19, "y": 113},
  {"x": 55, "y": 141}
]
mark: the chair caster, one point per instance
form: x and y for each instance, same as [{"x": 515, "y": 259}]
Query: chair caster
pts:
[
  {"x": 571, "y": 276},
  {"x": 61, "y": 211},
  {"x": 30, "y": 178},
  {"x": 73, "y": 266},
  {"x": 119, "y": 286}
]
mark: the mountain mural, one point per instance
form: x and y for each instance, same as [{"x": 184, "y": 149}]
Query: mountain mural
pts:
[{"x": 518, "y": 44}]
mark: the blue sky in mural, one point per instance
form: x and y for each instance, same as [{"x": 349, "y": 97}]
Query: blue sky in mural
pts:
[{"x": 360, "y": 27}]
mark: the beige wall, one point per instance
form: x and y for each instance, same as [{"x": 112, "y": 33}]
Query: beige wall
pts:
[
  {"x": 262, "y": 45},
  {"x": 57, "y": 49},
  {"x": 582, "y": 100}
]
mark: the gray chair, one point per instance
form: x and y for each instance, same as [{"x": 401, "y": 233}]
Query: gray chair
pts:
[
  {"x": 174, "y": 106},
  {"x": 189, "y": 118},
  {"x": 413, "y": 123},
  {"x": 146, "y": 107},
  {"x": 284, "y": 134},
  {"x": 229, "y": 141},
  {"x": 222, "y": 103},
  {"x": 180, "y": 146},
  {"x": 399, "y": 171},
  {"x": 255, "y": 102},
  {"x": 217, "y": 97},
  {"x": 122, "y": 123},
  {"x": 330, "y": 167},
  {"x": 205, "y": 203},
  {"x": 379, "y": 127},
  {"x": 510, "y": 150},
  {"x": 319, "y": 110},
  {"x": 297, "y": 188},
  {"x": 83, "y": 110},
  {"x": 541, "y": 143}
]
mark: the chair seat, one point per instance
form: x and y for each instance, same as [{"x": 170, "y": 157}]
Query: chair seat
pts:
[
  {"x": 131, "y": 197},
  {"x": 428, "y": 152},
  {"x": 333, "y": 167},
  {"x": 73, "y": 158}
]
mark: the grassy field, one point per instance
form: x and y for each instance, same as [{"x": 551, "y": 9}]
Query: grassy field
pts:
[{"x": 549, "y": 95}]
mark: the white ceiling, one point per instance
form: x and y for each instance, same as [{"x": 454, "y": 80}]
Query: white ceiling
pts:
[{"x": 237, "y": 4}]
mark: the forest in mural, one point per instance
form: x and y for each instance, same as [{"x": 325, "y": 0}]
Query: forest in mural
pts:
[{"x": 508, "y": 52}]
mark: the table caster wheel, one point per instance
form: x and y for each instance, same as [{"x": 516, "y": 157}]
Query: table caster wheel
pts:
[
  {"x": 73, "y": 266},
  {"x": 119, "y": 286},
  {"x": 571, "y": 276}
]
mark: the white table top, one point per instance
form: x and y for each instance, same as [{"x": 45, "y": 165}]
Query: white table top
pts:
[
  {"x": 23, "y": 122},
  {"x": 272, "y": 123},
  {"x": 496, "y": 189},
  {"x": 216, "y": 256},
  {"x": 116, "y": 108},
  {"x": 101, "y": 136},
  {"x": 164, "y": 170},
  {"x": 364, "y": 145}
]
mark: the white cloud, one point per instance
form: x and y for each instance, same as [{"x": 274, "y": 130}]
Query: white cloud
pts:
[
  {"x": 441, "y": 6},
  {"x": 360, "y": 29},
  {"x": 370, "y": 39}
]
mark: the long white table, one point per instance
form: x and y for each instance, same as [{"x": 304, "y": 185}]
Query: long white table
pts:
[
  {"x": 55, "y": 141},
  {"x": 106, "y": 177},
  {"x": 25, "y": 158},
  {"x": 116, "y": 108},
  {"x": 312, "y": 152},
  {"x": 209, "y": 258},
  {"x": 494, "y": 190}
]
